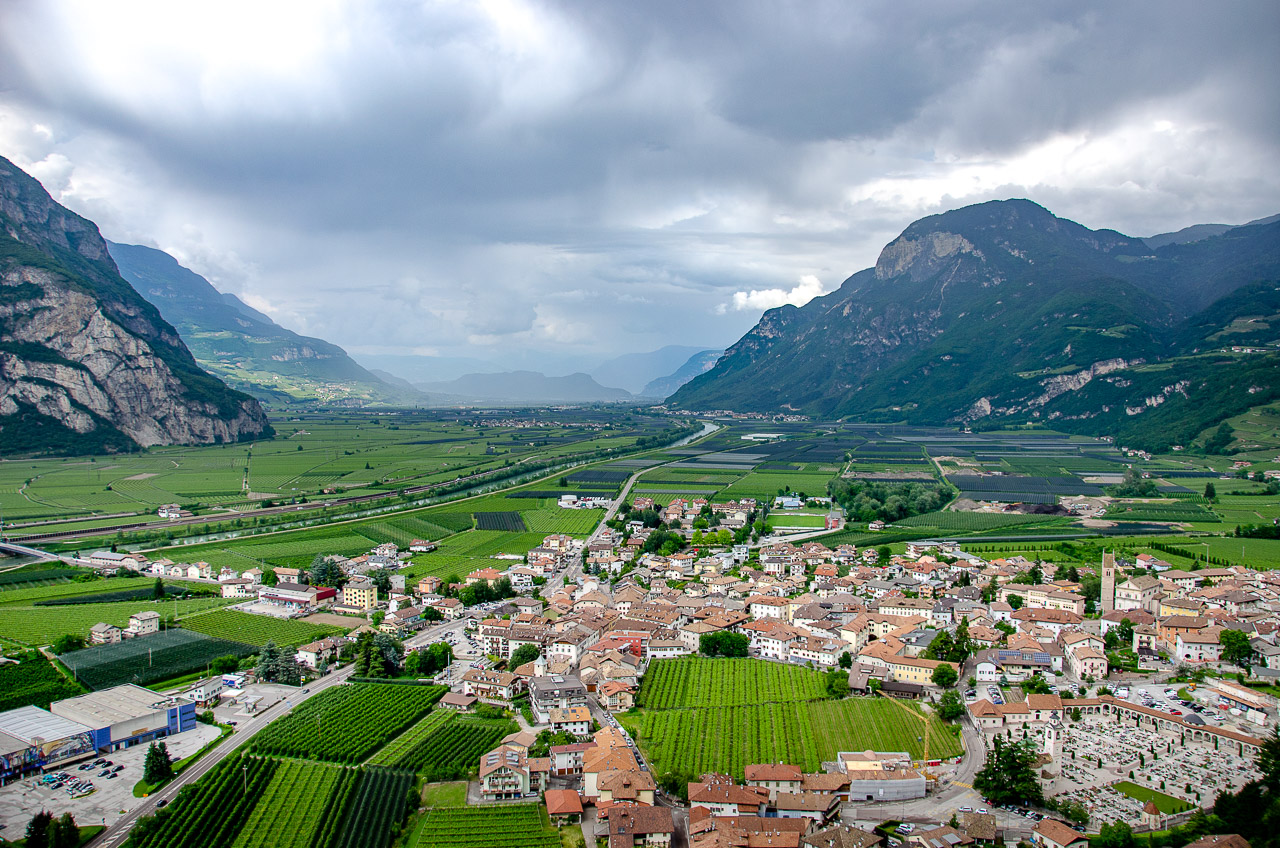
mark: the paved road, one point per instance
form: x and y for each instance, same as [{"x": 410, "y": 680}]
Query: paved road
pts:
[{"x": 117, "y": 832}]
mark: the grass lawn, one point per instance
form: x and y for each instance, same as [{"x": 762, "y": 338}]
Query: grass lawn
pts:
[
  {"x": 1167, "y": 804},
  {"x": 571, "y": 837},
  {"x": 452, "y": 794}
]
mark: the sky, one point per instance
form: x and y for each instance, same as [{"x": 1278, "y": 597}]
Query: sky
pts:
[{"x": 546, "y": 185}]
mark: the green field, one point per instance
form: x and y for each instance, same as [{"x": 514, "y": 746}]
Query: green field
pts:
[
  {"x": 259, "y": 629},
  {"x": 491, "y": 826},
  {"x": 702, "y": 715},
  {"x": 1167, "y": 804},
  {"x": 37, "y": 626},
  {"x": 765, "y": 485},
  {"x": 345, "y": 724},
  {"x": 288, "y": 815},
  {"x": 964, "y": 522}
]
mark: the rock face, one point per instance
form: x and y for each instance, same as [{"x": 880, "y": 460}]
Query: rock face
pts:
[
  {"x": 1000, "y": 311},
  {"x": 87, "y": 364}
]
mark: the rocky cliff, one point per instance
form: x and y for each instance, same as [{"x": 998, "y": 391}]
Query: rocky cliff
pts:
[{"x": 87, "y": 364}]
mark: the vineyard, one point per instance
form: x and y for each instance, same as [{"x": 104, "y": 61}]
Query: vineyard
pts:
[
  {"x": 805, "y": 733},
  {"x": 210, "y": 812},
  {"x": 508, "y": 522},
  {"x": 1179, "y": 511},
  {"x": 43, "y": 625},
  {"x": 443, "y": 745},
  {"x": 258, "y": 629},
  {"x": 700, "y": 682},
  {"x": 345, "y": 724},
  {"x": 287, "y": 814},
  {"x": 34, "y": 680},
  {"x": 506, "y": 826},
  {"x": 702, "y": 715},
  {"x": 382, "y": 800},
  {"x": 144, "y": 660},
  {"x": 961, "y": 522}
]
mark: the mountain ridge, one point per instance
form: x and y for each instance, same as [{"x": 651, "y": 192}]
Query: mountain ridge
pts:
[
  {"x": 997, "y": 309},
  {"x": 85, "y": 362}
]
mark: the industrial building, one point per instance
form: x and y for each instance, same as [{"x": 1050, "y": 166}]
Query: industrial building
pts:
[
  {"x": 31, "y": 738},
  {"x": 127, "y": 715}
]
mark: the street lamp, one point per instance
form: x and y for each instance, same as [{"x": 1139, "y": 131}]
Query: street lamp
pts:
[{"x": 245, "y": 772}]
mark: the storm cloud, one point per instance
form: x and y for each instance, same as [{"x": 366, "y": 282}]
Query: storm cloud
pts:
[{"x": 548, "y": 185}]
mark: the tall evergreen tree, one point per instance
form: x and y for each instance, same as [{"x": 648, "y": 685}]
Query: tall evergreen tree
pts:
[{"x": 38, "y": 830}]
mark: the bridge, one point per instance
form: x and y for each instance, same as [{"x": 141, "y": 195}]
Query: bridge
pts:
[{"x": 14, "y": 549}]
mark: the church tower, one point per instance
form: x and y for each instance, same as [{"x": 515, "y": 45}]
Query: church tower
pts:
[{"x": 1108, "y": 582}]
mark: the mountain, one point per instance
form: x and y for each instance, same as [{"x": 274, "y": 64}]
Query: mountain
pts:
[
  {"x": 242, "y": 345},
  {"x": 999, "y": 312},
  {"x": 426, "y": 369},
  {"x": 87, "y": 364},
  {"x": 632, "y": 371},
  {"x": 700, "y": 363},
  {"x": 526, "y": 387},
  {"x": 1199, "y": 232}
]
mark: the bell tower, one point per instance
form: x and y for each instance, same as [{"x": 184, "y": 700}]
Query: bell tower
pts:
[{"x": 1108, "y": 582}]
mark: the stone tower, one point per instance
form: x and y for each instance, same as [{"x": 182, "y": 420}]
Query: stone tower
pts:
[
  {"x": 1053, "y": 739},
  {"x": 1108, "y": 582}
]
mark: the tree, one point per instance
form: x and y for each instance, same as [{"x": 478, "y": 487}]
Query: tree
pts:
[
  {"x": 837, "y": 682},
  {"x": 846, "y": 660},
  {"x": 884, "y": 553},
  {"x": 225, "y": 665},
  {"x": 157, "y": 591},
  {"x": 157, "y": 767},
  {"x": 269, "y": 577},
  {"x": 268, "y": 658},
  {"x": 1236, "y": 649},
  {"x": 1220, "y": 440},
  {"x": 64, "y": 833},
  {"x": 524, "y": 654},
  {"x": 1035, "y": 685},
  {"x": 325, "y": 572},
  {"x": 1009, "y": 774},
  {"x": 1125, "y": 632},
  {"x": 724, "y": 644},
  {"x": 67, "y": 644},
  {"x": 38, "y": 830},
  {"x": 1210, "y": 491},
  {"x": 950, "y": 707},
  {"x": 945, "y": 676},
  {"x": 381, "y": 578},
  {"x": 1118, "y": 835}
]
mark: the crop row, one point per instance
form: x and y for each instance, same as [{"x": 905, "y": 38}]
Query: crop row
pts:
[
  {"x": 258, "y": 629},
  {"x": 287, "y": 814},
  {"x": 454, "y": 750},
  {"x": 34, "y": 680},
  {"x": 402, "y": 744},
  {"x": 700, "y": 682},
  {"x": 727, "y": 739},
  {"x": 210, "y": 812},
  {"x": 169, "y": 653},
  {"x": 513, "y": 826},
  {"x": 381, "y": 802},
  {"x": 345, "y": 724}
]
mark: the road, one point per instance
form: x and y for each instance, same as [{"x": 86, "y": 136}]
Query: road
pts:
[{"x": 116, "y": 833}]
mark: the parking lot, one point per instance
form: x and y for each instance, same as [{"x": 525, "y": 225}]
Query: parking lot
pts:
[{"x": 111, "y": 797}]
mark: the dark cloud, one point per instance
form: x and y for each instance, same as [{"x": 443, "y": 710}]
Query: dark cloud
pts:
[{"x": 560, "y": 182}]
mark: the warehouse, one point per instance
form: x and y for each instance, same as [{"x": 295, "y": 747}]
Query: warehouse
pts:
[
  {"x": 127, "y": 715},
  {"x": 31, "y": 738}
]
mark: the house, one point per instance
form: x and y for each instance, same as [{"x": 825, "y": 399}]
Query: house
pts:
[
  {"x": 938, "y": 837},
  {"x": 563, "y": 804},
  {"x": 806, "y": 805},
  {"x": 774, "y": 778},
  {"x": 573, "y": 720},
  {"x": 491, "y": 686},
  {"x": 507, "y": 772},
  {"x": 206, "y": 693},
  {"x": 143, "y": 623},
  {"x": 630, "y": 825},
  {"x": 841, "y": 836},
  {"x": 360, "y": 594},
  {"x": 1051, "y": 833},
  {"x": 568, "y": 759},
  {"x": 320, "y": 651},
  {"x": 728, "y": 799},
  {"x": 238, "y": 587},
  {"x": 105, "y": 634},
  {"x": 555, "y": 691}
]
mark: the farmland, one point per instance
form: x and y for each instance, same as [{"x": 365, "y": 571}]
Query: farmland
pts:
[
  {"x": 698, "y": 682},
  {"x": 33, "y": 680},
  {"x": 287, "y": 814},
  {"x": 965, "y": 522},
  {"x": 258, "y": 630},
  {"x": 147, "y": 659},
  {"x": 37, "y": 626},
  {"x": 506, "y": 826},
  {"x": 345, "y": 724},
  {"x": 453, "y": 750},
  {"x": 210, "y": 812},
  {"x": 380, "y": 802},
  {"x": 704, "y": 715}
]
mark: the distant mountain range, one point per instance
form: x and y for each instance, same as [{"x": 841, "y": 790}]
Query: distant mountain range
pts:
[
  {"x": 699, "y": 363},
  {"x": 245, "y": 347},
  {"x": 1002, "y": 312},
  {"x": 86, "y": 364},
  {"x": 525, "y": 387},
  {"x": 634, "y": 371}
]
